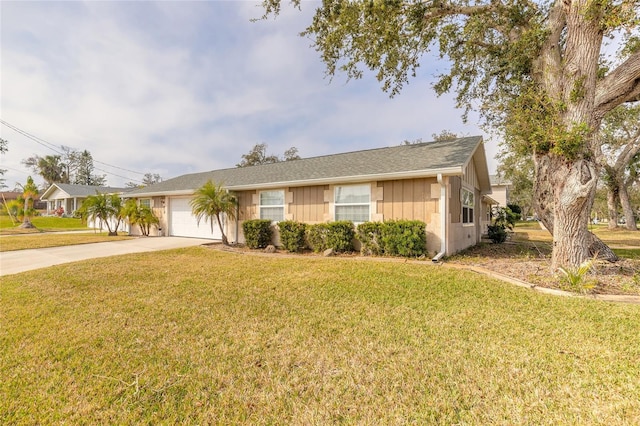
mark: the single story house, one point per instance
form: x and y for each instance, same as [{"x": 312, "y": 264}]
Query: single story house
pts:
[
  {"x": 8, "y": 196},
  {"x": 500, "y": 188},
  {"x": 67, "y": 198},
  {"x": 443, "y": 183}
]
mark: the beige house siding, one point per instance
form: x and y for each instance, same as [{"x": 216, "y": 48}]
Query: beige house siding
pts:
[
  {"x": 409, "y": 199},
  {"x": 470, "y": 176},
  {"x": 455, "y": 205},
  {"x": 500, "y": 193},
  {"x": 463, "y": 235},
  {"x": 308, "y": 204}
]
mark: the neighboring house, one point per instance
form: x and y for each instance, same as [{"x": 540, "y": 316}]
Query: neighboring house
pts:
[
  {"x": 66, "y": 198},
  {"x": 441, "y": 183},
  {"x": 70, "y": 196},
  {"x": 500, "y": 188},
  {"x": 8, "y": 196}
]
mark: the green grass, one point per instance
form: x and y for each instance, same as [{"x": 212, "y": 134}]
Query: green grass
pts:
[
  {"x": 36, "y": 241},
  {"x": 628, "y": 253},
  {"x": 198, "y": 336},
  {"x": 618, "y": 238},
  {"x": 42, "y": 223}
]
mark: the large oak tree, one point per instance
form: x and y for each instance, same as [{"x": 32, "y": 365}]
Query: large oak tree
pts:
[{"x": 534, "y": 67}]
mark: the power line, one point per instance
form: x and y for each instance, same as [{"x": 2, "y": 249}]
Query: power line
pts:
[
  {"x": 36, "y": 139},
  {"x": 54, "y": 148}
]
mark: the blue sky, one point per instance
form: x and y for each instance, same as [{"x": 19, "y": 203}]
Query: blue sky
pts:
[{"x": 182, "y": 87}]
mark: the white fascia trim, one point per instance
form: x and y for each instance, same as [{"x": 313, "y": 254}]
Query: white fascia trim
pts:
[
  {"x": 161, "y": 194},
  {"x": 46, "y": 194},
  {"x": 351, "y": 179}
]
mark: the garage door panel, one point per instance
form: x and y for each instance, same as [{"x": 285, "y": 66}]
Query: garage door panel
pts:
[{"x": 182, "y": 222}]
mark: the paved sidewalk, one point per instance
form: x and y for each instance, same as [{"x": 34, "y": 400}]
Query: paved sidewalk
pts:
[{"x": 13, "y": 262}]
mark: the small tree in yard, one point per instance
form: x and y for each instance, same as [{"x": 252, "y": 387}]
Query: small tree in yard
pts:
[
  {"x": 139, "y": 215},
  {"x": 212, "y": 202},
  {"x": 502, "y": 219},
  {"x": 107, "y": 208},
  {"x": 29, "y": 194}
]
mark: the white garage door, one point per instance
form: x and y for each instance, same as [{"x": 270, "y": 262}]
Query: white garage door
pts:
[{"x": 182, "y": 223}]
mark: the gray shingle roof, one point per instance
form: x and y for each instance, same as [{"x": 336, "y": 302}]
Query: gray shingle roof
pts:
[
  {"x": 499, "y": 180},
  {"x": 423, "y": 157}
]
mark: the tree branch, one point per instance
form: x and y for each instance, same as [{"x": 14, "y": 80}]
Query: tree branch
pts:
[{"x": 619, "y": 86}]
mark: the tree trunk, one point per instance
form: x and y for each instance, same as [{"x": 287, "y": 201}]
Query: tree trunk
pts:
[
  {"x": 612, "y": 207},
  {"x": 626, "y": 208},
  {"x": 225, "y": 241},
  {"x": 564, "y": 193}
]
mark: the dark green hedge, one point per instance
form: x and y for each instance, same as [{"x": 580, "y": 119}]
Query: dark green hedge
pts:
[
  {"x": 370, "y": 236},
  {"x": 257, "y": 233},
  {"x": 292, "y": 235},
  {"x": 406, "y": 238},
  {"x": 336, "y": 235}
]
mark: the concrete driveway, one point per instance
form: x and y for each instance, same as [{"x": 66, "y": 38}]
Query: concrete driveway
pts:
[{"x": 13, "y": 262}]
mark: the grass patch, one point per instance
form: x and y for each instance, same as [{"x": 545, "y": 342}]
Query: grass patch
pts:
[
  {"x": 36, "y": 241},
  {"x": 616, "y": 238},
  {"x": 200, "y": 336},
  {"x": 42, "y": 224},
  {"x": 628, "y": 253}
]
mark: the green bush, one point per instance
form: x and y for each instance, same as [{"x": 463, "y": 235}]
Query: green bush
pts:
[
  {"x": 257, "y": 233},
  {"x": 406, "y": 238},
  {"x": 370, "y": 236},
  {"x": 336, "y": 235},
  {"x": 340, "y": 235},
  {"x": 292, "y": 235},
  {"x": 516, "y": 210},
  {"x": 503, "y": 219},
  {"x": 317, "y": 237},
  {"x": 497, "y": 233}
]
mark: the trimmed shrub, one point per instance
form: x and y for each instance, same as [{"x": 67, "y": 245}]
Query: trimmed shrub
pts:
[
  {"x": 292, "y": 235},
  {"x": 257, "y": 233},
  {"x": 406, "y": 238},
  {"x": 370, "y": 236},
  {"x": 340, "y": 235},
  {"x": 336, "y": 235},
  {"x": 317, "y": 237}
]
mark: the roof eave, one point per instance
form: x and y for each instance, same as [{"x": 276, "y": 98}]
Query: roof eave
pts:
[
  {"x": 448, "y": 171},
  {"x": 352, "y": 179},
  {"x": 158, "y": 193}
]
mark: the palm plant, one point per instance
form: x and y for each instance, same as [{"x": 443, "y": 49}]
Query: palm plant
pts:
[
  {"x": 211, "y": 202},
  {"x": 108, "y": 209},
  {"x": 142, "y": 216},
  {"x": 29, "y": 194}
]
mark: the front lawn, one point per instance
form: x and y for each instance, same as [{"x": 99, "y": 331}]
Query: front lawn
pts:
[
  {"x": 42, "y": 223},
  {"x": 36, "y": 241},
  {"x": 199, "y": 336}
]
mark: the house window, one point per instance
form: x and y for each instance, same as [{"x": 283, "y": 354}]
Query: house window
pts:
[
  {"x": 352, "y": 202},
  {"x": 272, "y": 205},
  {"x": 468, "y": 205},
  {"x": 145, "y": 202}
]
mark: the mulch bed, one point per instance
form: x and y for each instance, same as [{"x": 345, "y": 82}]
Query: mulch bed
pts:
[{"x": 531, "y": 262}]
